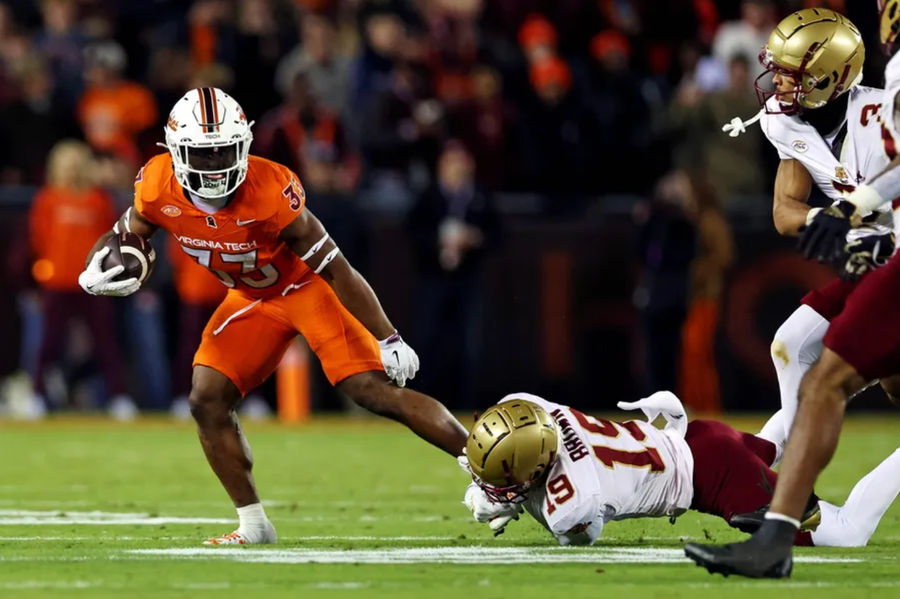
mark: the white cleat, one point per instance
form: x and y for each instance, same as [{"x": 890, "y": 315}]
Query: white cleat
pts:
[{"x": 260, "y": 536}]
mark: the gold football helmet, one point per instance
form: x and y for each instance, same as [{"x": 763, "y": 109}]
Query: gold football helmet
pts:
[
  {"x": 512, "y": 445},
  {"x": 821, "y": 50},
  {"x": 888, "y": 24}
]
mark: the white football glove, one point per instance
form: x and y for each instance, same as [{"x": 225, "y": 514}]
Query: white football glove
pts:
[
  {"x": 400, "y": 360},
  {"x": 661, "y": 403},
  {"x": 97, "y": 281},
  {"x": 496, "y": 515}
]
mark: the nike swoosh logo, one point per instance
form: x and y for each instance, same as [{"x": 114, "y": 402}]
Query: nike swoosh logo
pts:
[
  {"x": 397, "y": 357},
  {"x": 242, "y": 223}
]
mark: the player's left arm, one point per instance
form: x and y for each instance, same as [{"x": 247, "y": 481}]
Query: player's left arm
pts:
[{"x": 307, "y": 238}]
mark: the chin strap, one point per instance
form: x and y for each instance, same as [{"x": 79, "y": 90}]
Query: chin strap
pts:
[{"x": 737, "y": 126}]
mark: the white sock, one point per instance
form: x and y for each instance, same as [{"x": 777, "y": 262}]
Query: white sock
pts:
[
  {"x": 852, "y": 524},
  {"x": 773, "y": 431},
  {"x": 797, "y": 345},
  {"x": 251, "y": 517}
]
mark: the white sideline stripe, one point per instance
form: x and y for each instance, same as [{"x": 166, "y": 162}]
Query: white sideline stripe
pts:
[
  {"x": 54, "y": 517},
  {"x": 32, "y": 521},
  {"x": 446, "y": 555},
  {"x": 126, "y": 538}
]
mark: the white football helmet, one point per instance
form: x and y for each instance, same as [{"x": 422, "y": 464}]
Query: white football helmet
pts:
[{"x": 209, "y": 138}]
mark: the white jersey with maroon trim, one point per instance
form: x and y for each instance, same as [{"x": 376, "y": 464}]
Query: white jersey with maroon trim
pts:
[
  {"x": 861, "y": 153},
  {"x": 608, "y": 471},
  {"x": 888, "y": 111}
]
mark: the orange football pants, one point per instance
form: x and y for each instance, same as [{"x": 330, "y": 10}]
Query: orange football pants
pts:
[{"x": 246, "y": 338}]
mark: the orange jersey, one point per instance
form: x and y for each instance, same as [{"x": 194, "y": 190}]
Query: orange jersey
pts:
[
  {"x": 63, "y": 226},
  {"x": 194, "y": 284},
  {"x": 112, "y": 116},
  {"x": 239, "y": 242}
]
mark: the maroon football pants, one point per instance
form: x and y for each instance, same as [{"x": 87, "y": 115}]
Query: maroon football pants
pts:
[{"x": 732, "y": 473}]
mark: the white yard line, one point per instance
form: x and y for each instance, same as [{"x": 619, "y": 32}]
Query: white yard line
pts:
[
  {"x": 446, "y": 555},
  {"x": 96, "y": 517}
]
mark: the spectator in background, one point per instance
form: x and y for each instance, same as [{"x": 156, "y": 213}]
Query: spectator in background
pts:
[
  {"x": 667, "y": 247},
  {"x": 61, "y": 43},
  {"x": 67, "y": 216},
  {"x": 169, "y": 75},
  {"x": 537, "y": 38},
  {"x": 31, "y": 125},
  {"x": 453, "y": 226},
  {"x": 384, "y": 39},
  {"x": 299, "y": 124},
  {"x": 734, "y": 166},
  {"x": 559, "y": 134},
  {"x": 617, "y": 103},
  {"x": 698, "y": 382},
  {"x": 259, "y": 41},
  {"x": 747, "y": 36},
  {"x": 402, "y": 136},
  {"x": 328, "y": 73},
  {"x": 113, "y": 111},
  {"x": 485, "y": 124}
]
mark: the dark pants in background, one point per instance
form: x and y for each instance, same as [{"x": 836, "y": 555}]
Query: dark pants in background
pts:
[
  {"x": 60, "y": 309},
  {"x": 192, "y": 319},
  {"x": 449, "y": 342},
  {"x": 661, "y": 331}
]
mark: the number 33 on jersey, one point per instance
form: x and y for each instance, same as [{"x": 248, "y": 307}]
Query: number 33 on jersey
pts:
[{"x": 239, "y": 242}]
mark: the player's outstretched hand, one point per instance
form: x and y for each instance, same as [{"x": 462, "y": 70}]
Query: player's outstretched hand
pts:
[
  {"x": 97, "y": 281},
  {"x": 867, "y": 248},
  {"x": 825, "y": 235},
  {"x": 496, "y": 515},
  {"x": 400, "y": 360}
]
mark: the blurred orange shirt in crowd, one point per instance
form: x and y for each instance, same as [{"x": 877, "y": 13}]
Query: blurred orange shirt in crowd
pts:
[
  {"x": 195, "y": 284},
  {"x": 64, "y": 224},
  {"x": 111, "y": 116}
]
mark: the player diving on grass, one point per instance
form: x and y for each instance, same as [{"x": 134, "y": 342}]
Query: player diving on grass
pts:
[
  {"x": 244, "y": 218},
  {"x": 861, "y": 345},
  {"x": 574, "y": 473},
  {"x": 829, "y": 136}
]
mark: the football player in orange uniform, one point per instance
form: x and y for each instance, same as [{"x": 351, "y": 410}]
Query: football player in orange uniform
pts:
[{"x": 243, "y": 218}]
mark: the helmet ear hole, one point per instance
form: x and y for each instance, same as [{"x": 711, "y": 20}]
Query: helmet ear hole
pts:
[{"x": 824, "y": 83}]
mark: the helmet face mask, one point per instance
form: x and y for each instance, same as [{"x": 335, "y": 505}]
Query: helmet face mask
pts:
[
  {"x": 511, "y": 449},
  {"x": 820, "y": 50},
  {"x": 209, "y": 138},
  {"x": 789, "y": 102}
]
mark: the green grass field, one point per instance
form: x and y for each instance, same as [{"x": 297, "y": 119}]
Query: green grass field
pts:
[{"x": 364, "y": 509}]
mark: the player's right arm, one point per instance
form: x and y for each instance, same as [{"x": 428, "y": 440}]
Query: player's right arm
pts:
[{"x": 790, "y": 210}]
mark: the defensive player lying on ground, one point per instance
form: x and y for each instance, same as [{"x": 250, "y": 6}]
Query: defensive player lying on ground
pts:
[
  {"x": 574, "y": 473},
  {"x": 244, "y": 218}
]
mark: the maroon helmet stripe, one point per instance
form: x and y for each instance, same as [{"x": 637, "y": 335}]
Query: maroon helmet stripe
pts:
[
  {"x": 202, "y": 108},
  {"x": 207, "y": 109},
  {"x": 215, "y": 107}
]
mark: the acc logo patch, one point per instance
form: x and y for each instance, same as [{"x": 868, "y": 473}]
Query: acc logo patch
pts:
[
  {"x": 170, "y": 210},
  {"x": 800, "y": 146}
]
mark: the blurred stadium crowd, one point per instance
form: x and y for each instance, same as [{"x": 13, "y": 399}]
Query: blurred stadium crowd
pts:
[{"x": 423, "y": 110}]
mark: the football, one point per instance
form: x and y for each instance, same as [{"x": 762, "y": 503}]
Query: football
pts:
[{"x": 131, "y": 251}]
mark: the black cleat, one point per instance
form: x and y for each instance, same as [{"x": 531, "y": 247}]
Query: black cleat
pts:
[
  {"x": 767, "y": 554},
  {"x": 744, "y": 559},
  {"x": 751, "y": 521}
]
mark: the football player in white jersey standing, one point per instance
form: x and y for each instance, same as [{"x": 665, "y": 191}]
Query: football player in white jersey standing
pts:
[
  {"x": 574, "y": 473},
  {"x": 861, "y": 345},
  {"x": 828, "y": 133}
]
